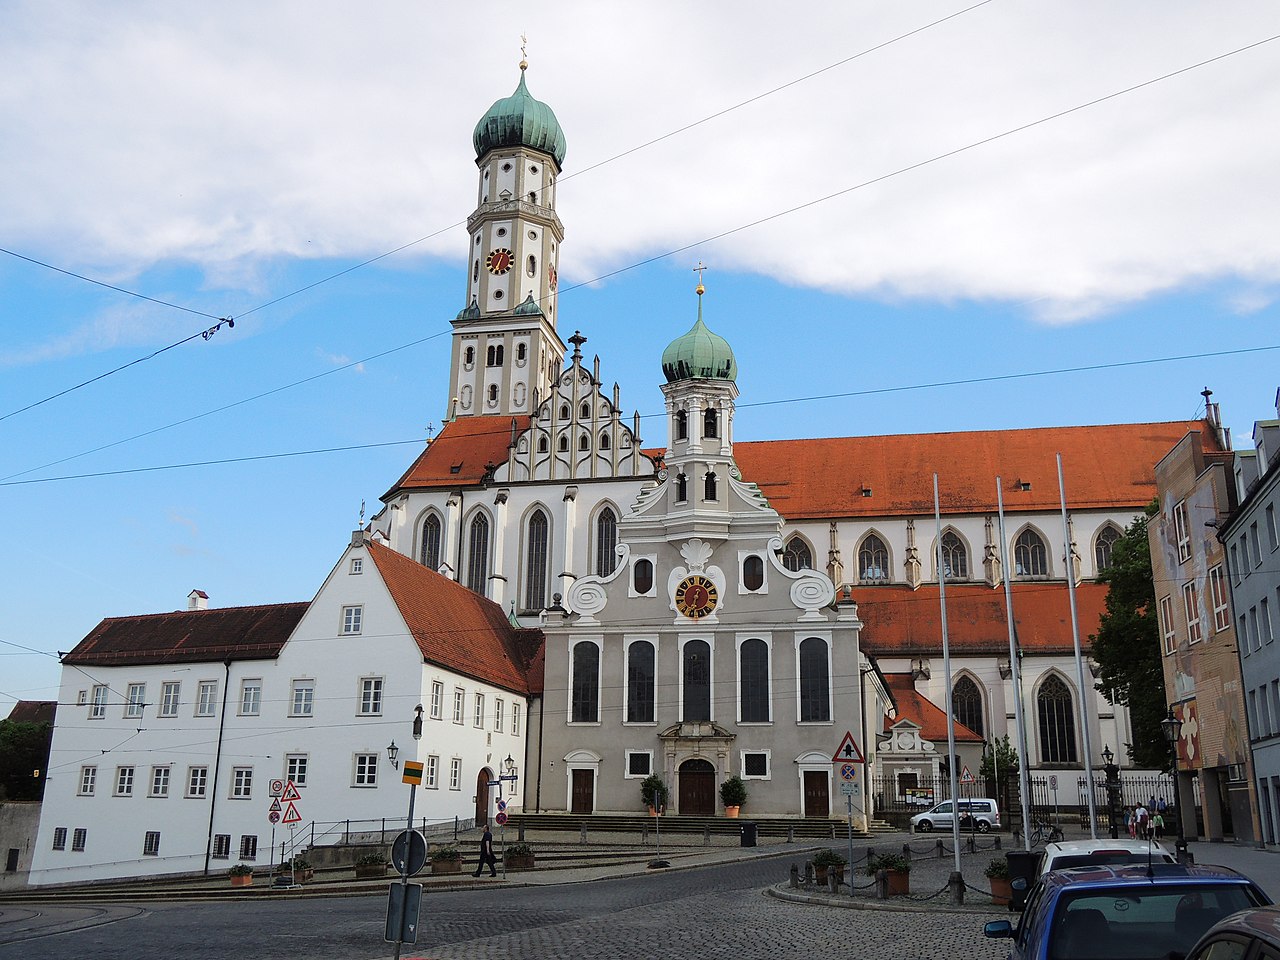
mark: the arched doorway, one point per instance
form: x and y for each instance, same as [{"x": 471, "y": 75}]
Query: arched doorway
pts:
[
  {"x": 697, "y": 789},
  {"x": 484, "y": 802}
]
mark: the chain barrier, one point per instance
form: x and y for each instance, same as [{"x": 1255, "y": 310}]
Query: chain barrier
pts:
[{"x": 945, "y": 888}]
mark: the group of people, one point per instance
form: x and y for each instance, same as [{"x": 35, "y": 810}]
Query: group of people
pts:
[{"x": 1146, "y": 820}]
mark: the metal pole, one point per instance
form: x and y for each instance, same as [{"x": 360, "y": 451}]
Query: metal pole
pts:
[
  {"x": 1024, "y": 775},
  {"x": 404, "y": 872},
  {"x": 946, "y": 669},
  {"x": 1075, "y": 640}
]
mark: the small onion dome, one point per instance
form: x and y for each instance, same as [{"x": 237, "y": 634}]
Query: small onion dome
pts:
[
  {"x": 470, "y": 312},
  {"x": 520, "y": 121},
  {"x": 699, "y": 355},
  {"x": 528, "y": 308}
]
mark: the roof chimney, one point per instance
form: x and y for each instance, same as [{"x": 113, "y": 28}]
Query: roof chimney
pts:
[{"x": 197, "y": 600}]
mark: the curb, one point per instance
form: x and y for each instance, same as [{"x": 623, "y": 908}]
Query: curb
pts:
[{"x": 783, "y": 891}]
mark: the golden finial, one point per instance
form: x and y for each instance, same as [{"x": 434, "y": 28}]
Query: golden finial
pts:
[
  {"x": 524, "y": 61},
  {"x": 699, "y": 269}
]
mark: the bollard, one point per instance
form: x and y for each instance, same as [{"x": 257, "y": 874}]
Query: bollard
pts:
[
  {"x": 582, "y": 834},
  {"x": 833, "y": 880},
  {"x": 808, "y": 873},
  {"x": 882, "y": 884},
  {"x": 955, "y": 883},
  {"x": 906, "y": 851},
  {"x": 520, "y": 833},
  {"x": 942, "y": 853},
  {"x": 644, "y": 833},
  {"x": 972, "y": 844},
  {"x": 795, "y": 876},
  {"x": 791, "y": 833},
  {"x": 996, "y": 837},
  {"x": 706, "y": 835}
]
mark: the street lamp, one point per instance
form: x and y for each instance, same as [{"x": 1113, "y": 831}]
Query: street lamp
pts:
[
  {"x": 392, "y": 752},
  {"x": 1112, "y": 771},
  {"x": 1172, "y": 728}
]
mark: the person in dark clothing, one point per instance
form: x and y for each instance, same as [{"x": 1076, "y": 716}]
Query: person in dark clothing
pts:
[{"x": 486, "y": 854}]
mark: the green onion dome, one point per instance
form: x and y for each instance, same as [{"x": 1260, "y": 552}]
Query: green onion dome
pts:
[
  {"x": 699, "y": 354},
  {"x": 520, "y": 121}
]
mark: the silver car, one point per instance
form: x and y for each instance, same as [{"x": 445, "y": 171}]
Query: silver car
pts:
[{"x": 979, "y": 813}]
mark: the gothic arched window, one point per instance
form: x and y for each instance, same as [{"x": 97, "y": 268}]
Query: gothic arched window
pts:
[
  {"x": 583, "y": 443},
  {"x": 796, "y": 555},
  {"x": 640, "y": 682},
  {"x": 1057, "y": 722},
  {"x": 604, "y": 441},
  {"x": 1106, "y": 542},
  {"x": 753, "y": 681},
  {"x": 585, "y": 699},
  {"x": 815, "y": 690},
  {"x": 955, "y": 558},
  {"x": 564, "y": 443},
  {"x": 542, "y": 444},
  {"x": 696, "y": 663},
  {"x": 606, "y": 540},
  {"x": 1030, "y": 557},
  {"x": 535, "y": 561},
  {"x": 431, "y": 542},
  {"x": 966, "y": 705},
  {"x": 478, "y": 554},
  {"x": 873, "y": 560}
]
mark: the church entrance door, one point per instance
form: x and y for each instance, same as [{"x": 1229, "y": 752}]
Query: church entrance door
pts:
[
  {"x": 483, "y": 796},
  {"x": 583, "y": 790},
  {"x": 697, "y": 789},
  {"x": 817, "y": 802}
]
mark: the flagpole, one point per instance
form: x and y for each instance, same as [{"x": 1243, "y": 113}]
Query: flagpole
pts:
[
  {"x": 1015, "y": 673},
  {"x": 946, "y": 669},
  {"x": 1075, "y": 641}
]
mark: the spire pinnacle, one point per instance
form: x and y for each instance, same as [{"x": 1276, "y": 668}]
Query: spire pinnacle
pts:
[{"x": 524, "y": 57}]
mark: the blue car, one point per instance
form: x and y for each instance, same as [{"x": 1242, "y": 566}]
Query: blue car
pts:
[{"x": 1154, "y": 912}]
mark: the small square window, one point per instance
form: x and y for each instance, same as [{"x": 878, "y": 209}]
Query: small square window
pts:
[
  {"x": 352, "y": 617},
  {"x": 295, "y": 769},
  {"x": 59, "y": 838},
  {"x": 221, "y": 846},
  {"x": 755, "y": 766},
  {"x": 366, "y": 774},
  {"x": 357, "y": 566},
  {"x": 639, "y": 763},
  {"x": 248, "y": 846},
  {"x": 79, "y": 838}
]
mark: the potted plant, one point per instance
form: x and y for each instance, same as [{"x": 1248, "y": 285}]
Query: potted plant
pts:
[
  {"x": 447, "y": 859},
  {"x": 654, "y": 793},
  {"x": 997, "y": 872},
  {"x": 898, "y": 869},
  {"x": 301, "y": 868},
  {"x": 371, "y": 865},
  {"x": 518, "y": 856},
  {"x": 241, "y": 875},
  {"x": 828, "y": 862},
  {"x": 733, "y": 794}
]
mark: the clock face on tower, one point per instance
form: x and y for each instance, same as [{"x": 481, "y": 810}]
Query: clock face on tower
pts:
[
  {"x": 499, "y": 260},
  {"x": 696, "y": 597}
]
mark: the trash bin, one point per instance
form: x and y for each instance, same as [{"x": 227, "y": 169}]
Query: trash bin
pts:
[
  {"x": 1024, "y": 865},
  {"x": 748, "y": 832}
]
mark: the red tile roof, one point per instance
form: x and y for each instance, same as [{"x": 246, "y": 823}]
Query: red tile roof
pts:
[
  {"x": 33, "y": 711},
  {"x": 456, "y": 628},
  {"x": 919, "y": 709},
  {"x": 898, "y": 620},
  {"x": 190, "y": 636},
  {"x": 459, "y": 455}
]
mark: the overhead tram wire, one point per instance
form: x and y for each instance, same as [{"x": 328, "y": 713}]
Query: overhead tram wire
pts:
[{"x": 445, "y": 229}]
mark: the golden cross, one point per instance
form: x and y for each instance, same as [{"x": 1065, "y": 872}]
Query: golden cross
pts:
[{"x": 699, "y": 270}]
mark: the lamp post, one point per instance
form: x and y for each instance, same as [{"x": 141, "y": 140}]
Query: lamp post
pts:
[
  {"x": 392, "y": 752},
  {"x": 1172, "y": 728},
  {"x": 1112, "y": 771}
]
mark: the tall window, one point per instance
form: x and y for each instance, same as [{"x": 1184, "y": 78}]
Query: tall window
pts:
[
  {"x": 1181, "y": 531},
  {"x": 1167, "y": 630},
  {"x": 371, "y": 696},
  {"x": 1106, "y": 542},
  {"x": 606, "y": 540},
  {"x": 640, "y": 676},
  {"x": 682, "y": 488},
  {"x": 709, "y": 487},
  {"x": 431, "y": 542},
  {"x": 873, "y": 560},
  {"x": 753, "y": 572},
  {"x": 1191, "y": 604},
  {"x": 151, "y": 844},
  {"x": 478, "y": 554},
  {"x": 955, "y": 558},
  {"x": 437, "y": 699},
  {"x": 710, "y": 423},
  {"x": 1218, "y": 593},
  {"x": 753, "y": 679},
  {"x": 159, "y": 782},
  {"x": 642, "y": 576},
  {"x": 197, "y": 781},
  {"x": 1030, "y": 557},
  {"x": 815, "y": 693},
  {"x": 515, "y": 719},
  {"x": 682, "y": 425},
  {"x": 586, "y": 683},
  {"x": 459, "y": 706},
  {"x": 535, "y": 562},
  {"x": 304, "y": 695},
  {"x": 796, "y": 555},
  {"x": 207, "y": 698},
  {"x": 477, "y": 716},
  {"x": 966, "y": 704},
  {"x": 98, "y": 706},
  {"x": 169, "y": 699},
  {"x": 697, "y": 681},
  {"x": 1057, "y": 722},
  {"x": 352, "y": 618},
  {"x": 137, "y": 699},
  {"x": 88, "y": 780},
  {"x": 250, "y": 697}
]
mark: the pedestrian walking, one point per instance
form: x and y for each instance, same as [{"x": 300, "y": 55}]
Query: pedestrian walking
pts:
[
  {"x": 1157, "y": 825},
  {"x": 1142, "y": 822},
  {"x": 1128, "y": 820},
  {"x": 486, "y": 854}
]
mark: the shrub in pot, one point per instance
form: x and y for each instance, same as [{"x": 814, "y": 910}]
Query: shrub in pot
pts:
[
  {"x": 898, "y": 869},
  {"x": 733, "y": 794},
  {"x": 447, "y": 859},
  {"x": 828, "y": 861},
  {"x": 997, "y": 872},
  {"x": 518, "y": 856},
  {"x": 371, "y": 865},
  {"x": 653, "y": 791},
  {"x": 241, "y": 875}
]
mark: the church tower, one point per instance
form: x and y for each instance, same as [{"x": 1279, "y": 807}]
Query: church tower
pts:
[{"x": 506, "y": 352}]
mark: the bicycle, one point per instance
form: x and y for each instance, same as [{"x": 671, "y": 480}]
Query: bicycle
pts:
[{"x": 1044, "y": 832}]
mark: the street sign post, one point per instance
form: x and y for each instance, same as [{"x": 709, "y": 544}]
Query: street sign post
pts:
[
  {"x": 404, "y": 904},
  {"x": 409, "y": 853}
]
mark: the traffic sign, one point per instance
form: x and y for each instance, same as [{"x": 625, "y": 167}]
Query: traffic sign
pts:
[
  {"x": 502, "y": 805},
  {"x": 1053, "y": 782},
  {"x": 404, "y": 903},
  {"x": 501, "y": 818},
  {"x": 274, "y": 816},
  {"x": 965, "y": 775},
  {"x": 412, "y": 773},
  {"x": 847, "y": 751},
  {"x": 848, "y": 789},
  {"x": 291, "y": 814},
  {"x": 848, "y": 771},
  {"x": 290, "y": 792},
  {"x": 275, "y": 806},
  {"x": 276, "y": 788},
  {"x": 409, "y": 852}
]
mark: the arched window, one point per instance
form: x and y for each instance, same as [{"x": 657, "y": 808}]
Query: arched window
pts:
[
  {"x": 796, "y": 555},
  {"x": 586, "y": 683},
  {"x": 606, "y": 540},
  {"x": 682, "y": 425},
  {"x": 604, "y": 441},
  {"x": 431, "y": 542},
  {"x": 1107, "y": 538},
  {"x": 564, "y": 411},
  {"x": 522, "y": 351},
  {"x": 815, "y": 691},
  {"x": 583, "y": 443},
  {"x": 535, "y": 562},
  {"x": 966, "y": 704},
  {"x": 493, "y": 393},
  {"x": 564, "y": 443},
  {"x": 1057, "y": 722},
  {"x": 682, "y": 488},
  {"x": 753, "y": 680},
  {"x": 640, "y": 682},
  {"x": 709, "y": 486},
  {"x": 531, "y": 268},
  {"x": 478, "y": 554},
  {"x": 753, "y": 572},
  {"x": 642, "y": 576},
  {"x": 873, "y": 560},
  {"x": 494, "y": 355},
  {"x": 955, "y": 559},
  {"x": 586, "y": 410},
  {"x": 469, "y": 356},
  {"x": 710, "y": 423},
  {"x": 542, "y": 444},
  {"x": 1029, "y": 555},
  {"x": 697, "y": 681}
]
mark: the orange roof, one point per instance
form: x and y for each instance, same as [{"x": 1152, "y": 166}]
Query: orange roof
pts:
[
  {"x": 458, "y": 457},
  {"x": 919, "y": 709},
  {"x": 456, "y": 628},
  {"x": 898, "y": 620},
  {"x": 190, "y": 636},
  {"x": 1103, "y": 466}
]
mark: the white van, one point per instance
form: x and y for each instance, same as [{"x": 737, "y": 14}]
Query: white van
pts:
[{"x": 977, "y": 813}]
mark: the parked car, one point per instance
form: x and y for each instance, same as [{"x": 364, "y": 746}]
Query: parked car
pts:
[
  {"x": 1087, "y": 853},
  {"x": 1135, "y": 912},
  {"x": 1253, "y": 933},
  {"x": 979, "y": 813}
]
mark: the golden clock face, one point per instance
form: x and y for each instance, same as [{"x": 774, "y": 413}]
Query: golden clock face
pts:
[
  {"x": 696, "y": 597},
  {"x": 499, "y": 260}
]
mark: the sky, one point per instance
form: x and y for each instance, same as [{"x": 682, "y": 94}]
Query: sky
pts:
[{"x": 915, "y": 218}]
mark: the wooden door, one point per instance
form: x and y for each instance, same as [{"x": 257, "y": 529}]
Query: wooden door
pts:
[
  {"x": 697, "y": 789},
  {"x": 583, "y": 791},
  {"x": 483, "y": 796},
  {"x": 817, "y": 802}
]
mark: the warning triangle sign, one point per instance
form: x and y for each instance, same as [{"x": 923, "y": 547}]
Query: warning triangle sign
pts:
[
  {"x": 275, "y": 806},
  {"x": 290, "y": 792},
  {"x": 965, "y": 775},
  {"x": 291, "y": 814},
  {"x": 848, "y": 751}
]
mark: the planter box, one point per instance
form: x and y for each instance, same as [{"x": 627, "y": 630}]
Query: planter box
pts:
[
  {"x": 445, "y": 866},
  {"x": 1001, "y": 891},
  {"x": 731, "y": 812},
  {"x": 899, "y": 882},
  {"x": 370, "y": 871},
  {"x": 244, "y": 881},
  {"x": 519, "y": 863}
]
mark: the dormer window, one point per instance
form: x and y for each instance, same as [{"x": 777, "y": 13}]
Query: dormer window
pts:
[{"x": 710, "y": 423}]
